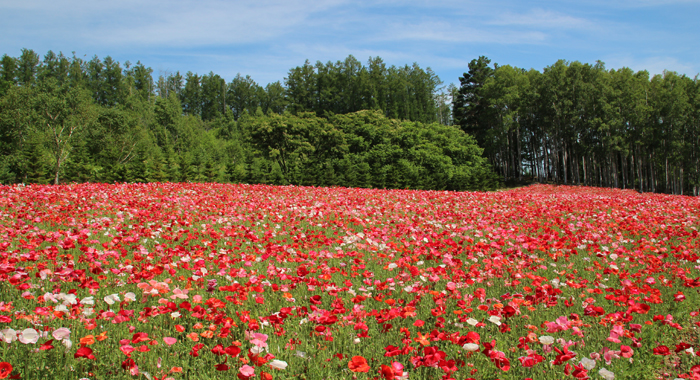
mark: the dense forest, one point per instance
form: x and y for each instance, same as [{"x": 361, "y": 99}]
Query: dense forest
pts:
[
  {"x": 335, "y": 124},
  {"x": 576, "y": 123},
  {"x": 65, "y": 119}
]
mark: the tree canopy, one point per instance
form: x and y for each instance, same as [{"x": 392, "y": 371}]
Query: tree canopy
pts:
[{"x": 333, "y": 124}]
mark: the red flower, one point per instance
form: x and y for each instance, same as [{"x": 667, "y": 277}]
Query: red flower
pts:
[
  {"x": 530, "y": 360},
  {"x": 387, "y": 372},
  {"x": 679, "y": 297},
  {"x": 358, "y": 364},
  {"x": 473, "y": 337},
  {"x": 233, "y": 350},
  {"x": 662, "y": 350},
  {"x": 84, "y": 352},
  {"x": 5, "y": 370},
  {"x": 139, "y": 337}
]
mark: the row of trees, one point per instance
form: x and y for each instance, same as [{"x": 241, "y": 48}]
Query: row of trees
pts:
[
  {"x": 406, "y": 93},
  {"x": 571, "y": 123},
  {"x": 76, "y": 121},
  {"x": 577, "y": 123}
]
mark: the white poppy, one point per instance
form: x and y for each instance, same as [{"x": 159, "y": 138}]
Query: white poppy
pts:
[
  {"x": 112, "y": 299},
  {"x": 8, "y": 335},
  {"x": 28, "y": 336},
  {"x": 605, "y": 374},
  {"x": 587, "y": 363},
  {"x": 61, "y": 333},
  {"x": 546, "y": 340},
  {"x": 62, "y": 308},
  {"x": 68, "y": 298},
  {"x": 471, "y": 347},
  {"x": 278, "y": 364},
  {"x": 88, "y": 301}
]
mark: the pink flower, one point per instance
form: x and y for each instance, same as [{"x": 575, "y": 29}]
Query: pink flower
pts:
[
  {"x": 61, "y": 333},
  {"x": 29, "y": 336},
  {"x": 247, "y": 371}
]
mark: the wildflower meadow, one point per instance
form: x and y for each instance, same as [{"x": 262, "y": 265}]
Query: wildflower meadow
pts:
[{"x": 218, "y": 281}]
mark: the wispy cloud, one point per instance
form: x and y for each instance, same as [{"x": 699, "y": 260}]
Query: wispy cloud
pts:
[
  {"x": 654, "y": 65},
  {"x": 452, "y": 32},
  {"x": 268, "y": 37},
  {"x": 543, "y": 19}
]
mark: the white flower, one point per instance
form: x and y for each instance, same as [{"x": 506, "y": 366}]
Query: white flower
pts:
[
  {"x": 88, "y": 301},
  {"x": 68, "y": 298},
  {"x": 255, "y": 350},
  {"x": 546, "y": 340},
  {"x": 130, "y": 296},
  {"x": 471, "y": 347},
  {"x": 28, "y": 336},
  {"x": 68, "y": 343},
  {"x": 8, "y": 335},
  {"x": 175, "y": 314},
  {"x": 88, "y": 311},
  {"x": 495, "y": 319},
  {"x": 61, "y": 333},
  {"x": 62, "y": 308},
  {"x": 392, "y": 266},
  {"x": 605, "y": 374},
  {"x": 472, "y": 321},
  {"x": 278, "y": 364},
  {"x": 587, "y": 363},
  {"x": 112, "y": 299},
  {"x": 356, "y": 341}
]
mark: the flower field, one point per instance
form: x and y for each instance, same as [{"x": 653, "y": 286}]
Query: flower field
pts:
[{"x": 214, "y": 281}]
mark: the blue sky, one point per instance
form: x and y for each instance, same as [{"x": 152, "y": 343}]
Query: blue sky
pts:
[{"x": 265, "y": 38}]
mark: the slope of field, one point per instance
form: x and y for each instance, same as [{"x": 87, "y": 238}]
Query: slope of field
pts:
[{"x": 211, "y": 281}]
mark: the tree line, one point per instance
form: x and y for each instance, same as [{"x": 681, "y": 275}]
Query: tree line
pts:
[
  {"x": 335, "y": 124},
  {"x": 576, "y": 123}
]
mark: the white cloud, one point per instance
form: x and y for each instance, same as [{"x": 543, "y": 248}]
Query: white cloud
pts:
[
  {"x": 172, "y": 23},
  {"x": 452, "y": 32},
  {"x": 539, "y": 18},
  {"x": 654, "y": 65}
]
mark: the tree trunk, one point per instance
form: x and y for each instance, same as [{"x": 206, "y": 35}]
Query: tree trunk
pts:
[{"x": 58, "y": 168}]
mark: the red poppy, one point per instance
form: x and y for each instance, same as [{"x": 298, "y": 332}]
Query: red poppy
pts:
[
  {"x": 358, "y": 364},
  {"x": 387, "y": 372},
  {"x": 84, "y": 352},
  {"x": 5, "y": 370},
  {"x": 662, "y": 350}
]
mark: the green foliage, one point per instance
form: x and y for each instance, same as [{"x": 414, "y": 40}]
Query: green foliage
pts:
[
  {"x": 576, "y": 123},
  {"x": 332, "y": 124}
]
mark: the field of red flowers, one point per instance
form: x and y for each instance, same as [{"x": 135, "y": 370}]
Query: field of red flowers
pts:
[{"x": 212, "y": 281}]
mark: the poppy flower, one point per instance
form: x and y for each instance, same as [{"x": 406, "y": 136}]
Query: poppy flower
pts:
[
  {"x": 277, "y": 364},
  {"x": 84, "y": 352},
  {"x": 5, "y": 370},
  {"x": 87, "y": 340},
  {"x": 29, "y": 336},
  {"x": 358, "y": 364},
  {"x": 662, "y": 350},
  {"x": 246, "y": 372},
  {"x": 61, "y": 333}
]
